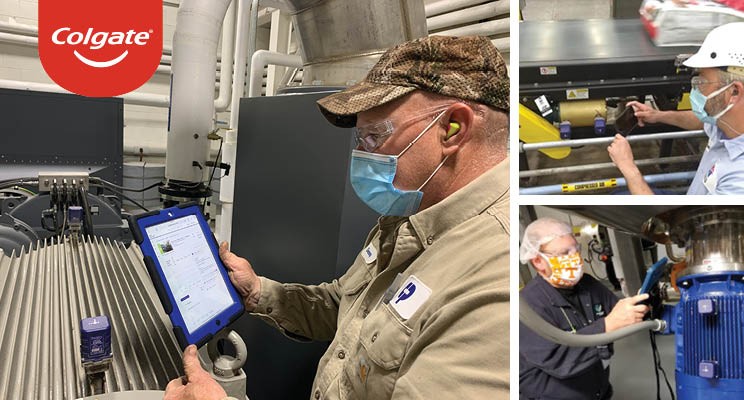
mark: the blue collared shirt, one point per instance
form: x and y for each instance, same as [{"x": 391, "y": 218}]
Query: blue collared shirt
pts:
[{"x": 721, "y": 170}]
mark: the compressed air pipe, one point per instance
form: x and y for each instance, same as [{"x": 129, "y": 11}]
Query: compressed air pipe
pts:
[
  {"x": 532, "y": 320},
  {"x": 607, "y": 140},
  {"x": 592, "y": 167},
  {"x": 619, "y": 182}
]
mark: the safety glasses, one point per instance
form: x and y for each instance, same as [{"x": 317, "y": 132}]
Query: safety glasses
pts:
[
  {"x": 572, "y": 250},
  {"x": 370, "y": 137}
]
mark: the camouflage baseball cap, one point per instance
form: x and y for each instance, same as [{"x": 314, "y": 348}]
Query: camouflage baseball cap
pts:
[{"x": 469, "y": 68}]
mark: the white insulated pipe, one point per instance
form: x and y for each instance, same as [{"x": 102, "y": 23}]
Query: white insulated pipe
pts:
[
  {"x": 468, "y": 15},
  {"x": 195, "y": 40},
  {"x": 142, "y": 99},
  {"x": 245, "y": 10},
  {"x": 14, "y": 38},
  {"x": 260, "y": 60},
  {"x": 443, "y": 6},
  {"x": 483, "y": 29},
  {"x": 226, "y": 58}
]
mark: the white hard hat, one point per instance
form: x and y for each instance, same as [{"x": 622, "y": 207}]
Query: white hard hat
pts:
[
  {"x": 723, "y": 47},
  {"x": 541, "y": 231}
]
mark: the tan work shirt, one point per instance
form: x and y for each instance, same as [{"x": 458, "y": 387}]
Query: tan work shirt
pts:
[{"x": 455, "y": 343}]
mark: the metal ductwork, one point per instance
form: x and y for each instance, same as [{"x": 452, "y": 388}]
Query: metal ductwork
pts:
[
  {"x": 46, "y": 292},
  {"x": 340, "y": 40}
]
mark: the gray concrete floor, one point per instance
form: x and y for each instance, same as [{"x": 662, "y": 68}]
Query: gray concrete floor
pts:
[
  {"x": 549, "y": 10},
  {"x": 632, "y": 372}
]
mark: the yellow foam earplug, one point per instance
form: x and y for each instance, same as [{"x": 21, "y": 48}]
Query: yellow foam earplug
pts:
[{"x": 454, "y": 128}]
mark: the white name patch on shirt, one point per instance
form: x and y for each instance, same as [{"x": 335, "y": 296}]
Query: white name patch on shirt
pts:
[
  {"x": 410, "y": 297},
  {"x": 369, "y": 254},
  {"x": 711, "y": 179}
]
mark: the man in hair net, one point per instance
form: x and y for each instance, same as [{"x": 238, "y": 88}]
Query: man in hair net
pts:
[{"x": 575, "y": 302}]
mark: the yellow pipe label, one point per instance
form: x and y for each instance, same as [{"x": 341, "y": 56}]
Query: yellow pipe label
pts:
[{"x": 577, "y": 187}]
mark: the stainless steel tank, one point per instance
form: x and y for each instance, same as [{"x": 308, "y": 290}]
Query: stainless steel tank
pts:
[{"x": 340, "y": 40}]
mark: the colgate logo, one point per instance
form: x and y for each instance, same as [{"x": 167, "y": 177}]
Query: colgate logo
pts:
[
  {"x": 96, "y": 40},
  {"x": 100, "y": 50}
]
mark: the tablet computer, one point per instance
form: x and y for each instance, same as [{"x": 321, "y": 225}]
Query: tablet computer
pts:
[{"x": 182, "y": 258}]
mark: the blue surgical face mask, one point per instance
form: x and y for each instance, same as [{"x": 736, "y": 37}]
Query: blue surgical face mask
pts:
[
  {"x": 698, "y": 101},
  {"x": 372, "y": 177}
]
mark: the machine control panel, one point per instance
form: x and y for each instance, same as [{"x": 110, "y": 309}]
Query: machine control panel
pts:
[{"x": 47, "y": 180}]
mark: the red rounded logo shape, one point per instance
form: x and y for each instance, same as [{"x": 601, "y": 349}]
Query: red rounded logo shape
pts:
[{"x": 100, "y": 48}]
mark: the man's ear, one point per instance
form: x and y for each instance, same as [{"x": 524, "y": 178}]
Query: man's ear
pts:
[
  {"x": 458, "y": 123},
  {"x": 541, "y": 266},
  {"x": 737, "y": 92}
]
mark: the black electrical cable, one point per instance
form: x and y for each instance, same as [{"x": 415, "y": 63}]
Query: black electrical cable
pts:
[
  {"x": 115, "y": 186},
  {"x": 658, "y": 367},
  {"x": 125, "y": 197},
  {"x": 214, "y": 167},
  {"x": 86, "y": 211}
]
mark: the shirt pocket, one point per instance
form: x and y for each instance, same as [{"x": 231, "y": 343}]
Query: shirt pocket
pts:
[{"x": 382, "y": 346}]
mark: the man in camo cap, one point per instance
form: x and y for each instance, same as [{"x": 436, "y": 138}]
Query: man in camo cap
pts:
[{"x": 423, "y": 312}]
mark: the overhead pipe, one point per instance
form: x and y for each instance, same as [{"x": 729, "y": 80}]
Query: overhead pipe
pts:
[
  {"x": 142, "y": 99},
  {"x": 246, "y": 25},
  {"x": 596, "y": 166},
  {"x": 468, "y": 15},
  {"x": 523, "y": 147},
  {"x": 198, "y": 26},
  {"x": 228, "y": 44},
  {"x": 260, "y": 60},
  {"x": 650, "y": 179},
  {"x": 443, "y": 6},
  {"x": 488, "y": 28}
]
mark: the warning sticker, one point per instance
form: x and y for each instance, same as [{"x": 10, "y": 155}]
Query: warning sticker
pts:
[
  {"x": 577, "y": 187},
  {"x": 576, "y": 94},
  {"x": 548, "y": 71},
  {"x": 543, "y": 105}
]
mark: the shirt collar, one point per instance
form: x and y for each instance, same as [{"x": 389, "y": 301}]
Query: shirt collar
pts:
[
  {"x": 734, "y": 147},
  {"x": 471, "y": 200}
]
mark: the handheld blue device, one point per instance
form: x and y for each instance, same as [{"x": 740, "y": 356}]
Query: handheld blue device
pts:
[{"x": 182, "y": 258}]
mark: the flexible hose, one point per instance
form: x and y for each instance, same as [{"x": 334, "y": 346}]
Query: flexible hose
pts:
[{"x": 532, "y": 320}]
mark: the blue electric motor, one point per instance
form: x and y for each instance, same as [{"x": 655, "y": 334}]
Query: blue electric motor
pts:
[{"x": 708, "y": 322}]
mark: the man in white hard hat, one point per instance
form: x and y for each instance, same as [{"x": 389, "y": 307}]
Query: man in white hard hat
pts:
[
  {"x": 717, "y": 107},
  {"x": 572, "y": 301}
]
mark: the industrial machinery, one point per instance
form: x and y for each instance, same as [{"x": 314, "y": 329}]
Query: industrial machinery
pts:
[
  {"x": 707, "y": 318},
  {"x": 576, "y": 78}
]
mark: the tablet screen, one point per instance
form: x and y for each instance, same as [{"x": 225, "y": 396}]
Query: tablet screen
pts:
[{"x": 190, "y": 269}]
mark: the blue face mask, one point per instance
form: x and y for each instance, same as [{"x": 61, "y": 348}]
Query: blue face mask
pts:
[
  {"x": 372, "y": 177},
  {"x": 698, "y": 100}
]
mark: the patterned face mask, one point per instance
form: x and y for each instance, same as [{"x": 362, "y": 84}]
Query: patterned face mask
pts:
[{"x": 567, "y": 269}]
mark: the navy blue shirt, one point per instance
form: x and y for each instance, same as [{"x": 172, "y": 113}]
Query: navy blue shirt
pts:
[{"x": 551, "y": 371}]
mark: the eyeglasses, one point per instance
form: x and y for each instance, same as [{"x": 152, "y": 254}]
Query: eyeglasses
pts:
[
  {"x": 698, "y": 80},
  {"x": 370, "y": 137},
  {"x": 566, "y": 252}
]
